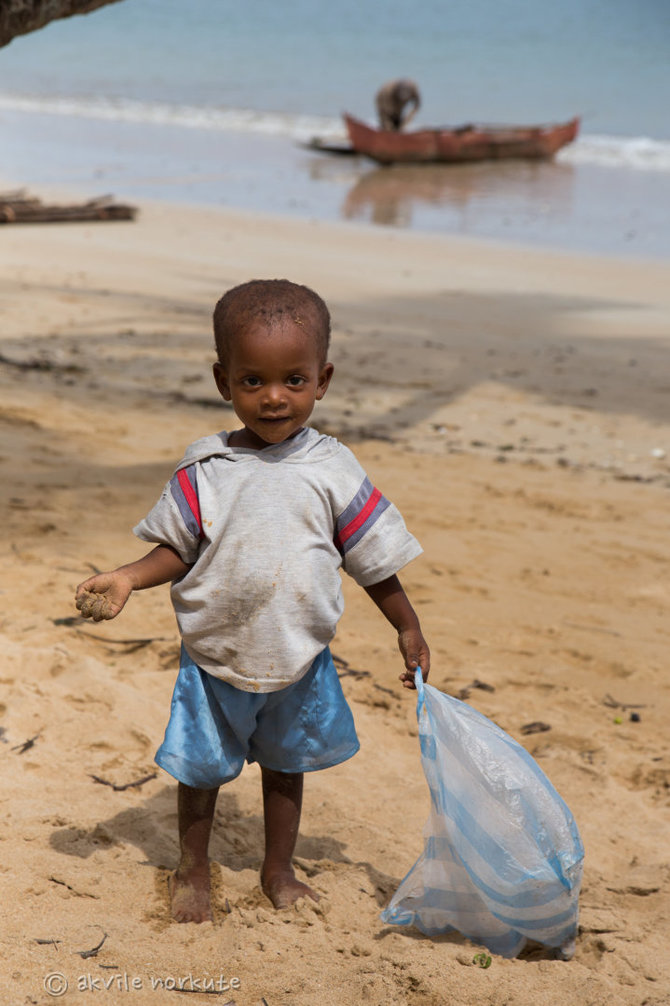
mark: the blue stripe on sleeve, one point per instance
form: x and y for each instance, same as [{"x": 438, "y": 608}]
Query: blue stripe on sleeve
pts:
[{"x": 184, "y": 509}]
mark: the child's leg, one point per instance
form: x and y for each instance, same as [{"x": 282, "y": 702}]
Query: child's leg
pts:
[
  {"x": 190, "y": 884},
  {"x": 282, "y": 803}
]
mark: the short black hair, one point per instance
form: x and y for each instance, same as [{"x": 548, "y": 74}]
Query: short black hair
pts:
[{"x": 270, "y": 300}]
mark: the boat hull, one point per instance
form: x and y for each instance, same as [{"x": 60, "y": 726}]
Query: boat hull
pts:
[{"x": 453, "y": 146}]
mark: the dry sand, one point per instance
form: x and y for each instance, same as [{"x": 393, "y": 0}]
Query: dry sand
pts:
[{"x": 515, "y": 405}]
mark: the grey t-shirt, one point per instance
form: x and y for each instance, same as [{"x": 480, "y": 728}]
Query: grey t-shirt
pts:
[{"x": 266, "y": 533}]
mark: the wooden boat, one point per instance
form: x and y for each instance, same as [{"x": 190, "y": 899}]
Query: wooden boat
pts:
[{"x": 467, "y": 143}]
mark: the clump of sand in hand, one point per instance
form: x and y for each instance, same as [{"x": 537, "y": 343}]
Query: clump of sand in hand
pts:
[{"x": 95, "y": 606}]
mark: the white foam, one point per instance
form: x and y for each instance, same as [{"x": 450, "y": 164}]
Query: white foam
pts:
[
  {"x": 298, "y": 127},
  {"x": 640, "y": 153}
]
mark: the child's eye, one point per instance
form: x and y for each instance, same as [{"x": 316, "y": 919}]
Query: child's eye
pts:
[
  {"x": 295, "y": 380},
  {"x": 251, "y": 382}
]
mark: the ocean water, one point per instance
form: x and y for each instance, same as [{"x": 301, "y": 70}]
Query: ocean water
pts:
[{"x": 208, "y": 102}]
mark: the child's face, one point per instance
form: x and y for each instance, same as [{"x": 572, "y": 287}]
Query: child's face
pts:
[{"x": 273, "y": 378}]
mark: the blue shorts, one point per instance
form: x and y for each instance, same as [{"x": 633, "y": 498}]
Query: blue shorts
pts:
[{"x": 214, "y": 728}]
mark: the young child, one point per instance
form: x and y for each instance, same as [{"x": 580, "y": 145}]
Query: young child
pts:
[{"x": 252, "y": 530}]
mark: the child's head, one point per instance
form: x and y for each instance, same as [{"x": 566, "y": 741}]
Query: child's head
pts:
[
  {"x": 270, "y": 301},
  {"x": 272, "y": 341}
]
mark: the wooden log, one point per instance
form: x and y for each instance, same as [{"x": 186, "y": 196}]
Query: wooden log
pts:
[{"x": 16, "y": 207}]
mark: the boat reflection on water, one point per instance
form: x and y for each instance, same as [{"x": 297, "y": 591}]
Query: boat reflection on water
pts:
[
  {"x": 387, "y": 195},
  {"x": 564, "y": 203},
  {"x": 460, "y": 197}
]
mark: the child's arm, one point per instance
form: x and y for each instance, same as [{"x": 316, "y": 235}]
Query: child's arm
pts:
[
  {"x": 104, "y": 595},
  {"x": 392, "y": 601}
]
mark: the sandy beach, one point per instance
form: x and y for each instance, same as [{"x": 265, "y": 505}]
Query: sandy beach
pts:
[{"x": 514, "y": 404}]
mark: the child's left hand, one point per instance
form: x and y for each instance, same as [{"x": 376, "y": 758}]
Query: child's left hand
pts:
[{"x": 414, "y": 649}]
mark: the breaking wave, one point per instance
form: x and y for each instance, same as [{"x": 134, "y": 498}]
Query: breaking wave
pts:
[{"x": 638, "y": 153}]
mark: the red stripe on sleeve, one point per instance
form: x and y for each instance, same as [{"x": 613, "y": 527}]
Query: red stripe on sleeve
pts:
[
  {"x": 190, "y": 495},
  {"x": 353, "y": 525}
]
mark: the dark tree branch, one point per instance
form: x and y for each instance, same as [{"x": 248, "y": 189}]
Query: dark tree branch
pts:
[{"x": 18, "y": 17}]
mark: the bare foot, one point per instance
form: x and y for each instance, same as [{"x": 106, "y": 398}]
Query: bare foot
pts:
[
  {"x": 190, "y": 896},
  {"x": 284, "y": 889}
]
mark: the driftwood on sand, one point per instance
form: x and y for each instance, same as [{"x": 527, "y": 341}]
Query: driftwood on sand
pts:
[{"x": 19, "y": 208}]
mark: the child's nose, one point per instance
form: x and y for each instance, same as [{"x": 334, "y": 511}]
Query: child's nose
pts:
[{"x": 274, "y": 394}]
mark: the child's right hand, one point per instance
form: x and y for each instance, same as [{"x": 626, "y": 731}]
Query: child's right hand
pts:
[{"x": 104, "y": 595}]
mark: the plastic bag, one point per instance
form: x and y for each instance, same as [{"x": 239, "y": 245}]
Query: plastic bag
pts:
[{"x": 502, "y": 858}]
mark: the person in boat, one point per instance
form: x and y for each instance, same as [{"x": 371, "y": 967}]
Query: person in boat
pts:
[{"x": 397, "y": 103}]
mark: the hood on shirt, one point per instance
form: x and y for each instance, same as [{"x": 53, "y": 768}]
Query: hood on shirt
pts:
[{"x": 306, "y": 446}]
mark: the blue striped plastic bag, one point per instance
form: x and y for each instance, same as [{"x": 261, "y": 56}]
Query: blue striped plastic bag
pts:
[{"x": 502, "y": 858}]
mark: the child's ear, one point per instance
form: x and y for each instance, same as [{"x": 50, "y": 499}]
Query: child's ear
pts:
[
  {"x": 221, "y": 378},
  {"x": 325, "y": 375}
]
